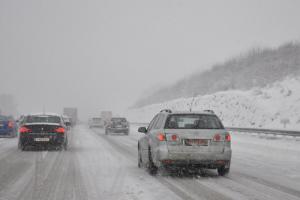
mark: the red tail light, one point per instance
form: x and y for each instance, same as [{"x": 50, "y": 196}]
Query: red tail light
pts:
[
  {"x": 174, "y": 137},
  {"x": 24, "y": 129},
  {"x": 10, "y": 124},
  {"x": 227, "y": 137},
  {"x": 217, "y": 138},
  {"x": 161, "y": 137},
  {"x": 60, "y": 130}
]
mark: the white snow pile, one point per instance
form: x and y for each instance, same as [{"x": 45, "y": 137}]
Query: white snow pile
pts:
[{"x": 276, "y": 106}]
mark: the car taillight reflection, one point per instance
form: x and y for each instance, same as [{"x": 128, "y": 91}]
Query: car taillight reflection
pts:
[
  {"x": 24, "y": 129},
  {"x": 161, "y": 137},
  {"x": 227, "y": 137},
  {"x": 217, "y": 138},
  {"x": 174, "y": 137},
  {"x": 60, "y": 130}
]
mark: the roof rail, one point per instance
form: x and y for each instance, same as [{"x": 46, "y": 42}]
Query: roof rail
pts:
[
  {"x": 166, "y": 110},
  {"x": 209, "y": 111}
]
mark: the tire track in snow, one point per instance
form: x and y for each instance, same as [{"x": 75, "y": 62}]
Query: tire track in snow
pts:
[
  {"x": 276, "y": 190},
  {"x": 178, "y": 189}
]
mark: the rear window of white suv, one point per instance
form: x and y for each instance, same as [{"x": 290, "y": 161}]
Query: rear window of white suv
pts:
[{"x": 193, "y": 121}]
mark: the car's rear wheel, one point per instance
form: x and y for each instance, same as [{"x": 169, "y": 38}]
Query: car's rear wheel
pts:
[
  {"x": 65, "y": 145},
  {"x": 151, "y": 166},
  {"x": 21, "y": 146},
  {"x": 222, "y": 171},
  {"x": 139, "y": 159}
]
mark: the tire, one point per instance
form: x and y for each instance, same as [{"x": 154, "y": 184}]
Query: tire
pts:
[
  {"x": 65, "y": 145},
  {"x": 222, "y": 171},
  {"x": 140, "y": 164},
  {"x": 151, "y": 167},
  {"x": 22, "y": 147}
]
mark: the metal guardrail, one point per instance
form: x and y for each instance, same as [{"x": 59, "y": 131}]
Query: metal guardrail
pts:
[
  {"x": 265, "y": 131},
  {"x": 251, "y": 130}
]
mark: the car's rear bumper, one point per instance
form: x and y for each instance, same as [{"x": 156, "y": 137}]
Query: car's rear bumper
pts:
[
  {"x": 6, "y": 132},
  {"x": 118, "y": 130},
  {"x": 96, "y": 126},
  {"x": 29, "y": 140},
  {"x": 201, "y": 159}
]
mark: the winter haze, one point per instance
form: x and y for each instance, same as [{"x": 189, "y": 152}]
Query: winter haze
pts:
[{"x": 103, "y": 55}]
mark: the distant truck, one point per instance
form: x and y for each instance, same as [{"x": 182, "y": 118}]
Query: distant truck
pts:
[
  {"x": 106, "y": 116},
  {"x": 72, "y": 113}
]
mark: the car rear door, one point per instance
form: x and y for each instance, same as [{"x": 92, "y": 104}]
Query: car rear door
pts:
[{"x": 145, "y": 140}]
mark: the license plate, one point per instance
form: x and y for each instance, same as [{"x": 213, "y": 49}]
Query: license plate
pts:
[
  {"x": 196, "y": 142},
  {"x": 41, "y": 139}
]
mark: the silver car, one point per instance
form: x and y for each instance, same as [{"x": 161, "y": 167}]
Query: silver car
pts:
[{"x": 185, "y": 139}]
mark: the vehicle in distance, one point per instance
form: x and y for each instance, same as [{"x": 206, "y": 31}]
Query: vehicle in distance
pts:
[
  {"x": 193, "y": 140},
  {"x": 117, "y": 125},
  {"x": 106, "y": 116},
  {"x": 67, "y": 122},
  {"x": 8, "y": 126},
  {"x": 44, "y": 130},
  {"x": 72, "y": 113},
  {"x": 96, "y": 122}
]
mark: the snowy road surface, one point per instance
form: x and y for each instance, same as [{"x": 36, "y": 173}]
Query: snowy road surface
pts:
[{"x": 97, "y": 166}]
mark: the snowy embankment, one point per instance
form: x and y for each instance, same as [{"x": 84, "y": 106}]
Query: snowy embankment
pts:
[{"x": 267, "y": 107}]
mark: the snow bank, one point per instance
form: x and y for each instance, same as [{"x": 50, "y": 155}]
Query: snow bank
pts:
[{"x": 265, "y": 107}]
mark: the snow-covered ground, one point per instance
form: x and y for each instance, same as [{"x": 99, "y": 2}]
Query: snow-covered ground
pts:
[
  {"x": 259, "y": 107},
  {"x": 98, "y": 166}
]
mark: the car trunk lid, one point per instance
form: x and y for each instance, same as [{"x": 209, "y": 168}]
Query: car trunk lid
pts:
[
  {"x": 194, "y": 140},
  {"x": 43, "y": 129}
]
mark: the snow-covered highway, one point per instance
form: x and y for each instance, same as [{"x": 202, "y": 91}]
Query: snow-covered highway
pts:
[{"x": 98, "y": 166}]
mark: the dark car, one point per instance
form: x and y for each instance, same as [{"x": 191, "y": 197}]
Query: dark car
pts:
[
  {"x": 117, "y": 125},
  {"x": 43, "y": 130},
  {"x": 8, "y": 126}
]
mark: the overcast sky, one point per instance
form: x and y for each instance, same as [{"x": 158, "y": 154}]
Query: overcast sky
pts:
[{"x": 104, "y": 54}]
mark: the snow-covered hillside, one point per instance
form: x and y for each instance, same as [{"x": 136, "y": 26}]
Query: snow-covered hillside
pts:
[{"x": 259, "y": 107}]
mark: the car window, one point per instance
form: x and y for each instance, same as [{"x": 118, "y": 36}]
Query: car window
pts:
[
  {"x": 193, "y": 121},
  {"x": 159, "y": 122},
  {"x": 97, "y": 119},
  {"x": 118, "y": 120},
  {"x": 152, "y": 123},
  {"x": 42, "y": 119}
]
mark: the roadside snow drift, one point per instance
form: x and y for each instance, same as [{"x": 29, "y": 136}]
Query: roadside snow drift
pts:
[{"x": 276, "y": 106}]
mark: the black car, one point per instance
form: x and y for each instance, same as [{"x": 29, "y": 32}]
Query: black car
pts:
[
  {"x": 117, "y": 125},
  {"x": 43, "y": 130}
]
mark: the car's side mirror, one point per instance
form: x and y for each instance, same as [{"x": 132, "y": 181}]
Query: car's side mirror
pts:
[{"x": 142, "y": 130}]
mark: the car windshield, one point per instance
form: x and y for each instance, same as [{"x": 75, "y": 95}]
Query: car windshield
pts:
[
  {"x": 118, "y": 120},
  {"x": 42, "y": 119},
  {"x": 193, "y": 121},
  {"x": 97, "y": 119}
]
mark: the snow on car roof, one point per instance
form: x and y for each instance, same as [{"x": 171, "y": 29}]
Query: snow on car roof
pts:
[
  {"x": 193, "y": 112},
  {"x": 45, "y": 114}
]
